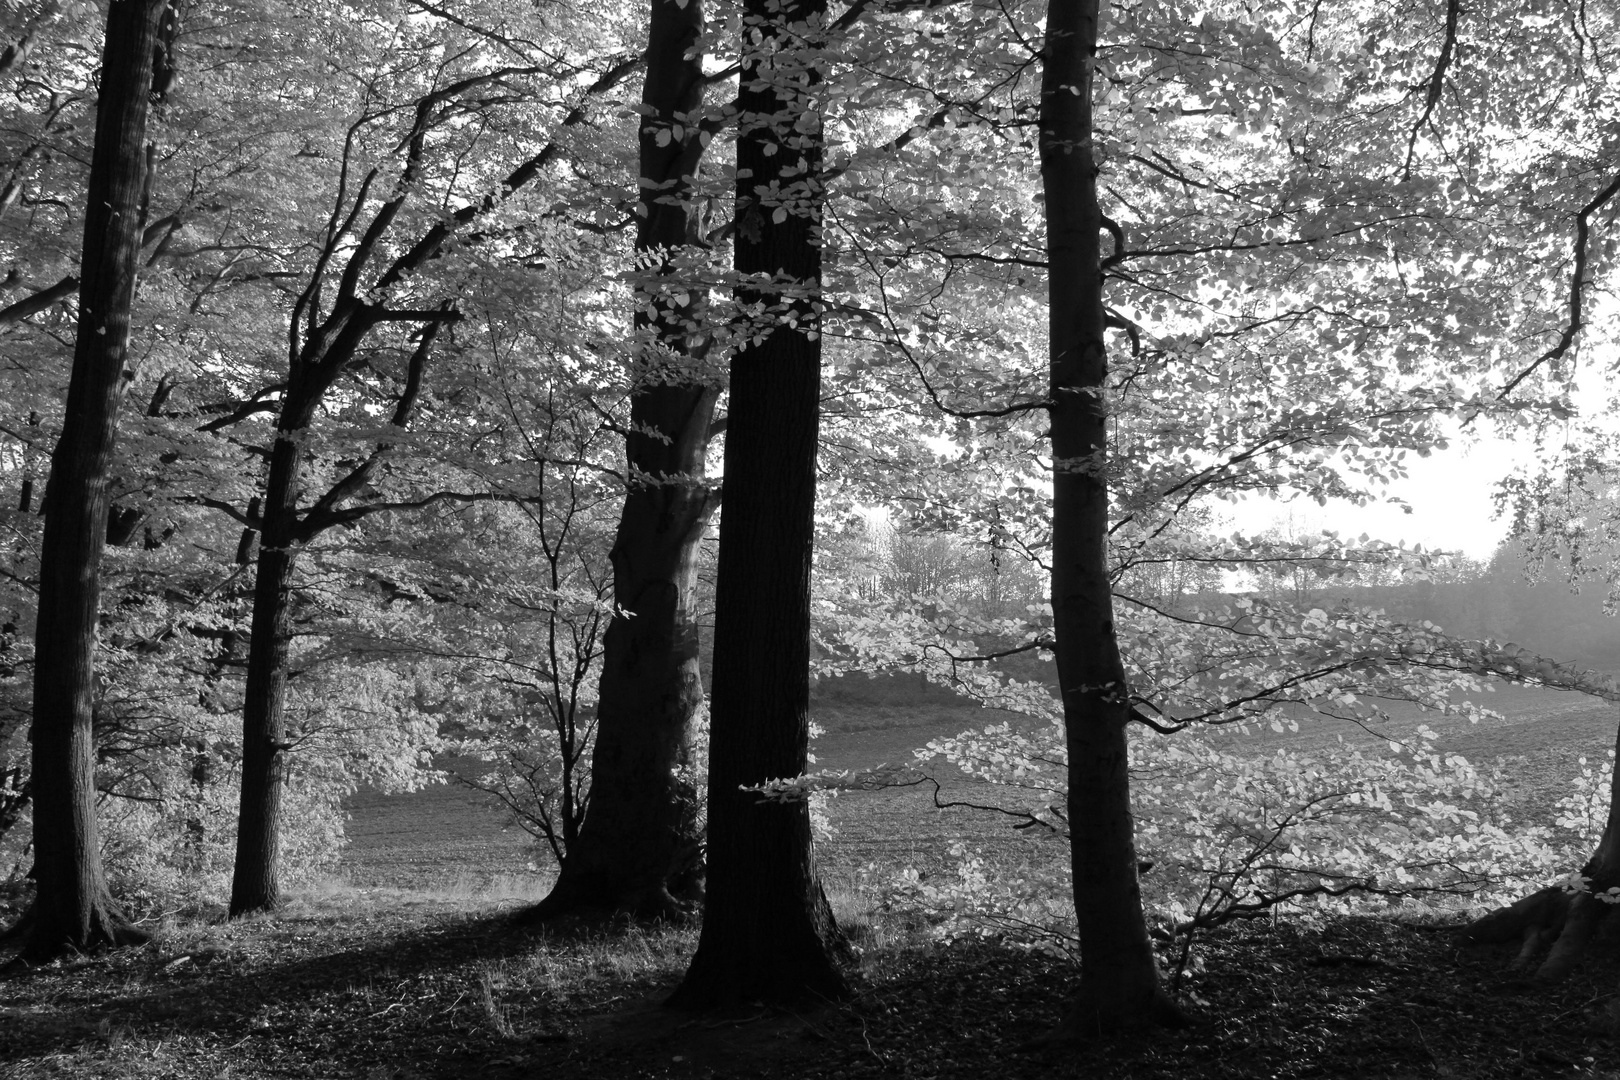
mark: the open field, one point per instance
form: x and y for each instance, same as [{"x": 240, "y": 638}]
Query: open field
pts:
[{"x": 448, "y": 838}]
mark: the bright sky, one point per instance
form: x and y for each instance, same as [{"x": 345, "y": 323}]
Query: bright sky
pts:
[{"x": 1449, "y": 493}]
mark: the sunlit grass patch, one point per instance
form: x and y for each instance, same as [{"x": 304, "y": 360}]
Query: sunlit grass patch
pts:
[{"x": 459, "y": 889}]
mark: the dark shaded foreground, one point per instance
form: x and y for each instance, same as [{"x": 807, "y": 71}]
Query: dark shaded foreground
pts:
[{"x": 409, "y": 993}]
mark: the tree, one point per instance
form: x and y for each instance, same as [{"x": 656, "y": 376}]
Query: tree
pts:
[
  {"x": 283, "y": 531},
  {"x": 1563, "y": 918},
  {"x": 1567, "y": 514},
  {"x": 639, "y": 849},
  {"x": 324, "y": 345},
  {"x": 228, "y": 214},
  {"x": 1270, "y": 339},
  {"x": 768, "y": 932},
  {"x": 73, "y": 909},
  {"x": 1119, "y": 981},
  {"x": 525, "y": 640}
]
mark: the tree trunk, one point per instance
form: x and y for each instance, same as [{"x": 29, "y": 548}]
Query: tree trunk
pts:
[
  {"x": 73, "y": 909},
  {"x": 1563, "y": 922},
  {"x": 768, "y": 933},
  {"x": 254, "y": 884},
  {"x": 283, "y": 534},
  {"x": 639, "y": 848},
  {"x": 1119, "y": 981}
]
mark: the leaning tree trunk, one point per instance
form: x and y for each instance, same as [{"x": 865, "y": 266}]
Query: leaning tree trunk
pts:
[
  {"x": 73, "y": 908},
  {"x": 1119, "y": 981},
  {"x": 1558, "y": 921},
  {"x": 639, "y": 849},
  {"x": 768, "y": 933}
]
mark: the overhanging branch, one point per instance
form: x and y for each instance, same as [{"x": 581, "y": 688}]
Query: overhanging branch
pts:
[{"x": 1577, "y": 288}]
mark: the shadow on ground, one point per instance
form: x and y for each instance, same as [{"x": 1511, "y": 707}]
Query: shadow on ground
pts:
[{"x": 421, "y": 993}]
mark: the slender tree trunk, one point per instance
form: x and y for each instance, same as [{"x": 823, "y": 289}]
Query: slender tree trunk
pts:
[
  {"x": 1119, "y": 982},
  {"x": 283, "y": 532},
  {"x": 639, "y": 848},
  {"x": 73, "y": 909},
  {"x": 768, "y": 933},
  {"x": 254, "y": 883},
  {"x": 1559, "y": 922}
]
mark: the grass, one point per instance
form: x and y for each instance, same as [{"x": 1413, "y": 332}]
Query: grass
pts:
[
  {"x": 447, "y": 840},
  {"x": 401, "y": 841}
]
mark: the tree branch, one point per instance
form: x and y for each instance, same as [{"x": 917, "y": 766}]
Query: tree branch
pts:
[
  {"x": 1577, "y": 288},
  {"x": 52, "y": 295},
  {"x": 359, "y": 476},
  {"x": 433, "y": 241},
  {"x": 346, "y": 515},
  {"x": 1436, "y": 81}
]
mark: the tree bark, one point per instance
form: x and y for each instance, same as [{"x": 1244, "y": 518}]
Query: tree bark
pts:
[
  {"x": 73, "y": 908},
  {"x": 639, "y": 848},
  {"x": 255, "y": 885},
  {"x": 1562, "y": 923},
  {"x": 768, "y": 933},
  {"x": 1119, "y": 981}
]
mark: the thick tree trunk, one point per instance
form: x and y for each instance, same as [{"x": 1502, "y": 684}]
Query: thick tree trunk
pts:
[
  {"x": 254, "y": 883},
  {"x": 1119, "y": 981},
  {"x": 768, "y": 933},
  {"x": 639, "y": 848},
  {"x": 1559, "y": 922},
  {"x": 73, "y": 909}
]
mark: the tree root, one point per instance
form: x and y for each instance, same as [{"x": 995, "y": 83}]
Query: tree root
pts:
[
  {"x": 42, "y": 944},
  {"x": 1555, "y": 929},
  {"x": 581, "y": 904}
]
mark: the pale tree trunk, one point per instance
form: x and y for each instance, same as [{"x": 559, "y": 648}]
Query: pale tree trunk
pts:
[
  {"x": 1119, "y": 981},
  {"x": 768, "y": 933},
  {"x": 1555, "y": 927},
  {"x": 73, "y": 909},
  {"x": 639, "y": 849}
]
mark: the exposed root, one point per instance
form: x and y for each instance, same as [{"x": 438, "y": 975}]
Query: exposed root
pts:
[
  {"x": 45, "y": 940},
  {"x": 576, "y": 904},
  {"x": 1555, "y": 929}
]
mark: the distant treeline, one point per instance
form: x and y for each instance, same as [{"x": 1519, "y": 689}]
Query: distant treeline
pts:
[{"x": 1497, "y": 600}]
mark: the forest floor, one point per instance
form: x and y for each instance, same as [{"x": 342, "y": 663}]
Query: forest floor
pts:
[
  {"x": 416, "y": 991},
  {"x": 409, "y": 967}
]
